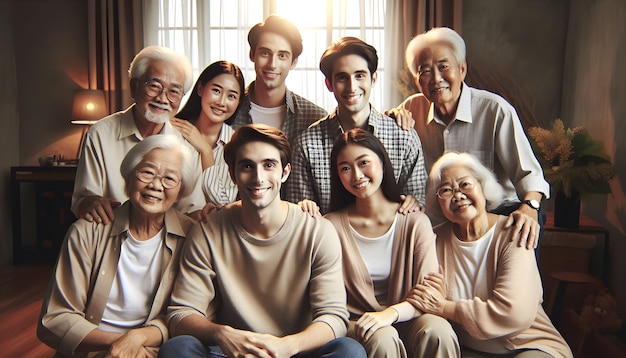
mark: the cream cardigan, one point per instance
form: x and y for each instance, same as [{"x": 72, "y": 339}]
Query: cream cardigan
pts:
[{"x": 513, "y": 312}]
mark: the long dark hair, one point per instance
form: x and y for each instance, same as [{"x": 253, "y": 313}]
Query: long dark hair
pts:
[
  {"x": 193, "y": 107},
  {"x": 340, "y": 197}
]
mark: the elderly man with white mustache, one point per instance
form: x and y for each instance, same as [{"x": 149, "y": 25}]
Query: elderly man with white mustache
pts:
[{"x": 159, "y": 77}]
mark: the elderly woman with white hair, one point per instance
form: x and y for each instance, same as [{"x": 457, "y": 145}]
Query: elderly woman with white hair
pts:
[
  {"x": 112, "y": 282},
  {"x": 488, "y": 286}
]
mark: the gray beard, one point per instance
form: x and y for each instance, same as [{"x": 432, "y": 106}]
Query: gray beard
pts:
[{"x": 157, "y": 118}]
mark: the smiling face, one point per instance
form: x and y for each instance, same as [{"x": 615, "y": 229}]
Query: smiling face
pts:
[
  {"x": 273, "y": 60},
  {"x": 352, "y": 85},
  {"x": 440, "y": 77},
  {"x": 259, "y": 175},
  {"x": 158, "y": 109},
  {"x": 220, "y": 98},
  {"x": 461, "y": 207},
  {"x": 152, "y": 199},
  {"x": 360, "y": 170}
]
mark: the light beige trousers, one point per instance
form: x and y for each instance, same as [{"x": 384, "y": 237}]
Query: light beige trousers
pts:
[{"x": 425, "y": 336}]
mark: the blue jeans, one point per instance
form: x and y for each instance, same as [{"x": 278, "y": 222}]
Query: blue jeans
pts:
[{"x": 192, "y": 347}]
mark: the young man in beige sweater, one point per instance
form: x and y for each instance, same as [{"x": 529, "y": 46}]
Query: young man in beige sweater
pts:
[{"x": 261, "y": 278}]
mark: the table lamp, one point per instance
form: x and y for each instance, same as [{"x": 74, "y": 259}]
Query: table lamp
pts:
[{"x": 89, "y": 106}]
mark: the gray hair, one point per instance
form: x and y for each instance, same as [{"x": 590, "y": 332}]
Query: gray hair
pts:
[
  {"x": 161, "y": 141},
  {"x": 150, "y": 54},
  {"x": 441, "y": 35},
  {"x": 492, "y": 190}
]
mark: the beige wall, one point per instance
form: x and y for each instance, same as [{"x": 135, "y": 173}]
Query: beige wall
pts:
[
  {"x": 43, "y": 60},
  {"x": 516, "y": 49},
  {"x": 50, "y": 39}
]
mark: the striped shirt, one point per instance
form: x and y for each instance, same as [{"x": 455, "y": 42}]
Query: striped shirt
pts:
[
  {"x": 300, "y": 114},
  {"x": 310, "y": 161},
  {"x": 217, "y": 185}
]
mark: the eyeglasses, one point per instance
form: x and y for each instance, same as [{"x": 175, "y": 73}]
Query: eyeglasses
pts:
[
  {"x": 147, "y": 175},
  {"x": 154, "y": 88},
  {"x": 446, "y": 192}
]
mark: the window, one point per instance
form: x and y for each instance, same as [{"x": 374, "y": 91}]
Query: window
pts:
[{"x": 211, "y": 30}]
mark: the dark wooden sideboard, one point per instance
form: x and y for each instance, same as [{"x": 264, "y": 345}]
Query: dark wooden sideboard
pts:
[{"x": 41, "y": 199}]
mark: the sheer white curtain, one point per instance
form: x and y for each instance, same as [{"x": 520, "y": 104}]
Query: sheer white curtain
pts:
[{"x": 211, "y": 30}]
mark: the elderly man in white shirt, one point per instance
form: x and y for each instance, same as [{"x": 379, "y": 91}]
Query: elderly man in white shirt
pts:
[
  {"x": 449, "y": 115},
  {"x": 159, "y": 77}
]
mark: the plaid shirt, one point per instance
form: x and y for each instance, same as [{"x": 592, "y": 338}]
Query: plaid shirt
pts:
[
  {"x": 299, "y": 115},
  {"x": 310, "y": 161}
]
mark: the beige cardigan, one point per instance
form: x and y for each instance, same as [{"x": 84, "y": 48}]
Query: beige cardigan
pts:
[
  {"x": 413, "y": 258},
  {"x": 513, "y": 312},
  {"x": 82, "y": 279}
]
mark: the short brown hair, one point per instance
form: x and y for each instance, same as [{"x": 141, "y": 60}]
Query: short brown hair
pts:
[
  {"x": 348, "y": 46},
  {"x": 257, "y": 133},
  {"x": 280, "y": 26}
]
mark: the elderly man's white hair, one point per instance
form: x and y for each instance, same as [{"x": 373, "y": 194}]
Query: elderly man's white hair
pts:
[
  {"x": 436, "y": 35},
  {"x": 145, "y": 57}
]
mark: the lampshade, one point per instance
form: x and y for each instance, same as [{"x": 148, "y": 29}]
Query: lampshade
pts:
[{"x": 89, "y": 106}]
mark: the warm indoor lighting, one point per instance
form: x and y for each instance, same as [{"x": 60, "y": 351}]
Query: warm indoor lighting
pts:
[{"x": 89, "y": 107}]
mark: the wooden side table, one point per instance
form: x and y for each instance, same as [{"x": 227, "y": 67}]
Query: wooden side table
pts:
[
  {"x": 572, "y": 262},
  {"x": 41, "y": 211},
  {"x": 598, "y": 265}
]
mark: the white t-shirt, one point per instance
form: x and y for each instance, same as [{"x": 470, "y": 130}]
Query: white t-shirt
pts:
[
  {"x": 271, "y": 116},
  {"x": 136, "y": 281},
  {"x": 376, "y": 253},
  {"x": 470, "y": 261}
]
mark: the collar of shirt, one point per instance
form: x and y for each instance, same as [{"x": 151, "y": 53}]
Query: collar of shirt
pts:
[
  {"x": 121, "y": 223},
  {"x": 225, "y": 134},
  {"x": 373, "y": 121},
  {"x": 288, "y": 98},
  {"x": 463, "y": 111},
  {"x": 129, "y": 128}
]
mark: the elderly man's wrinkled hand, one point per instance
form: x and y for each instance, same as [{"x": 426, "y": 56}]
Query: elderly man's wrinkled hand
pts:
[
  {"x": 98, "y": 209},
  {"x": 525, "y": 226},
  {"x": 404, "y": 117}
]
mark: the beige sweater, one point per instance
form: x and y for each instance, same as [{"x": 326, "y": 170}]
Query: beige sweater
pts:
[
  {"x": 513, "y": 313},
  {"x": 279, "y": 285}
]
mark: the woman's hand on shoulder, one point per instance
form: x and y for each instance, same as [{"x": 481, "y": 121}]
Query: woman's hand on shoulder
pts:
[
  {"x": 191, "y": 134},
  {"x": 310, "y": 207},
  {"x": 203, "y": 215}
]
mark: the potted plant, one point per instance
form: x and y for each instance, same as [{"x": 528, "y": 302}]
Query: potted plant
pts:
[{"x": 574, "y": 164}]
